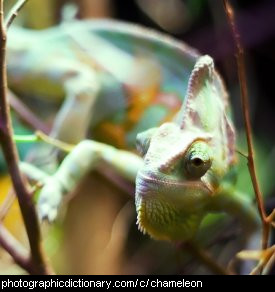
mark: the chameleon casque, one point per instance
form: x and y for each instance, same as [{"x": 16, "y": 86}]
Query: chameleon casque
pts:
[{"x": 123, "y": 84}]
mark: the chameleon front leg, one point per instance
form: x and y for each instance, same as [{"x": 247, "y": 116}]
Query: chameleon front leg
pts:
[
  {"x": 239, "y": 206},
  {"x": 72, "y": 120},
  {"x": 82, "y": 159},
  {"x": 57, "y": 76}
]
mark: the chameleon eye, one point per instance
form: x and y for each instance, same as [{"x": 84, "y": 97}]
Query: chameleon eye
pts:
[
  {"x": 197, "y": 160},
  {"x": 143, "y": 141}
]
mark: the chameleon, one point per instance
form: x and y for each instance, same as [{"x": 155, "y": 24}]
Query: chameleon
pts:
[{"x": 125, "y": 85}]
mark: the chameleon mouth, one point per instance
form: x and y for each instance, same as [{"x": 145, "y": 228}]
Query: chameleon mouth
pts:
[
  {"x": 151, "y": 180},
  {"x": 169, "y": 210}
]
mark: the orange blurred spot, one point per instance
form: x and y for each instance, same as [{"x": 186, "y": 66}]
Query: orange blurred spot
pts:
[
  {"x": 139, "y": 101},
  {"x": 111, "y": 134}
]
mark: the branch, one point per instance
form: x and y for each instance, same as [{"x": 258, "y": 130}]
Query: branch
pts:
[
  {"x": 248, "y": 129},
  {"x": 15, "y": 249},
  {"x": 14, "y": 12},
  {"x": 9, "y": 200},
  {"x": 26, "y": 114},
  {"x": 7, "y": 204},
  {"x": 11, "y": 156},
  {"x": 265, "y": 262}
]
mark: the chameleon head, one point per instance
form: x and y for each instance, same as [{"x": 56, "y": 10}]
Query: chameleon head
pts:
[
  {"x": 184, "y": 160},
  {"x": 175, "y": 184}
]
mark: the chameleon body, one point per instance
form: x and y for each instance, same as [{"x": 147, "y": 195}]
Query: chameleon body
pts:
[
  {"x": 130, "y": 76},
  {"x": 119, "y": 82}
]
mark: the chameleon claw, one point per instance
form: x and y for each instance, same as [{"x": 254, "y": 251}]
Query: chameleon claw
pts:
[
  {"x": 49, "y": 200},
  {"x": 47, "y": 213}
]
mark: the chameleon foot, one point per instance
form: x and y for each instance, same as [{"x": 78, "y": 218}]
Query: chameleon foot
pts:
[{"x": 50, "y": 200}]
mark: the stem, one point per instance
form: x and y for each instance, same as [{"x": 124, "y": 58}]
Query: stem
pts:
[
  {"x": 269, "y": 264},
  {"x": 14, "y": 249},
  {"x": 266, "y": 262},
  {"x": 54, "y": 142},
  {"x": 26, "y": 114},
  {"x": 248, "y": 129},
  {"x": 7, "y": 204},
  {"x": 10, "y": 153},
  {"x": 25, "y": 138},
  {"x": 14, "y": 12}
]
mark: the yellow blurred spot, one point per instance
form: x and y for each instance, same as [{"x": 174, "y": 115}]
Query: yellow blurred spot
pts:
[{"x": 13, "y": 219}]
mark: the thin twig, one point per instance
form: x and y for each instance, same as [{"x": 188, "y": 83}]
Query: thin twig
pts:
[
  {"x": 66, "y": 147},
  {"x": 11, "y": 156},
  {"x": 271, "y": 216},
  {"x": 26, "y": 114},
  {"x": 265, "y": 262},
  {"x": 14, "y": 12},
  {"x": 269, "y": 265},
  {"x": 15, "y": 249},
  {"x": 10, "y": 199},
  {"x": 248, "y": 129},
  {"x": 241, "y": 153},
  {"x": 7, "y": 204}
]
